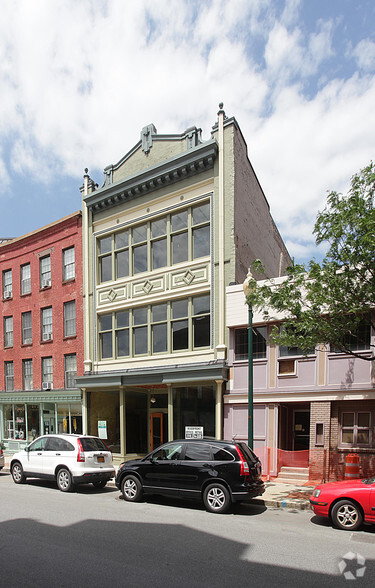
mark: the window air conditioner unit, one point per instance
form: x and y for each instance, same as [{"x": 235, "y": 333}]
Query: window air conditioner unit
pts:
[
  {"x": 7, "y": 294},
  {"x": 27, "y": 341},
  {"x": 46, "y": 283},
  {"x": 47, "y": 336},
  {"x": 47, "y": 385}
]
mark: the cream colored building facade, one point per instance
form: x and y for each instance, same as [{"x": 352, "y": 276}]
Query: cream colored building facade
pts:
[{"x": 176, "y": 220}]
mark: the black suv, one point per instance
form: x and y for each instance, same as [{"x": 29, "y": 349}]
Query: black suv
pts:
[{"x": 217, "y": 472}]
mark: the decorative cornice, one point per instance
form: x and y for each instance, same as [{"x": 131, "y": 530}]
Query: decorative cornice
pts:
[{"x": 185, "y": 165}]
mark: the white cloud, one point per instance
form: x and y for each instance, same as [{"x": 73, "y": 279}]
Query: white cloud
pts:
[
  {"x": 80, "y": 79},
  {"x": 364, "y": 53}
]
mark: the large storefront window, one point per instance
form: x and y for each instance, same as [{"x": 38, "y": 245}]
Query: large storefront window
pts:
[
  {"x": 194, "y": 406},
  {"x": 25, "y": 422},
  {"x": 21, "y": 421},
  {"x": 104, "y": 418},
  {"x": 69, "y": 418}
]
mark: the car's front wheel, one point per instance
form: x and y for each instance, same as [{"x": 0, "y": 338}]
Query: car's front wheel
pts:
[
  {"x": 17, "y": 473},
  {"x": 64, "y": 480},
  {"x": 347, "y": 515},
  {"x": 216, "y": 498},
  {"x": 131, "y": 488},
  {"x": 100, "y": 484}
]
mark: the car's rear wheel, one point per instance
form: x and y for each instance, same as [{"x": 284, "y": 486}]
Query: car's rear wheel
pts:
[
  {"x": 17, "y": 473},
  {"x": 64, "y": 480},
  {"x": 100, "y": 483},
  {"x": 131, "y": 489},
  {"x": 216, "y": 498},
  {"x": 347, "y": 515}
]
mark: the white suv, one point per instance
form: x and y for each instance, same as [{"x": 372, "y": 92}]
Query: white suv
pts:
[{"x": 68, "y": 459}]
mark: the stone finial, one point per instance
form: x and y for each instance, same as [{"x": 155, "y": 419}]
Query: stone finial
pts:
[
  {"x": 146, "y": 137},
  {"x": 221, "y": 111}
]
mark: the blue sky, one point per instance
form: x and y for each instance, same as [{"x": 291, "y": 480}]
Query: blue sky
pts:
[{"x": 80, "y": 78}]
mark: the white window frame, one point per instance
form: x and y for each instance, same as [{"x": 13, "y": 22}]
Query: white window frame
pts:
[
  {"x": 27, "y": 374},
  {"x": 69, "y": 271},
  {"x": 27, "y": 333},
  {"x": 45, "y": 271},
  {"x": 8, "y": 331},
  {"x": 47, "y": 323},
  {"x": 355, "y": 428},
  {"x": 70, "y": 361},
  {"x": 70, "y": 329},
  {"x": 25, "y": 279},
  {"x": 7, "y": 284}
]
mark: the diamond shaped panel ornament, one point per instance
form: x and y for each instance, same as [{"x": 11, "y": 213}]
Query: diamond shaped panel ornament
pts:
[
  {"x": 112, "y": 295},
  {"x": 147, "y": 287},
  {"x": 188, "y": 277}
]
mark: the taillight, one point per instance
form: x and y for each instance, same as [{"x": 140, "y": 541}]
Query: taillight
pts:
[
  {"x": 244, "y": 471},
  {"x": 81, "y": 453}
]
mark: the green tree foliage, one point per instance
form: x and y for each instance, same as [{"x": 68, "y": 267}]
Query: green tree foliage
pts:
[{"x": 329, "y": 302}]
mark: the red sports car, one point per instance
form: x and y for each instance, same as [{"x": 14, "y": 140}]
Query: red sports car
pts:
[{"x": 348, "y": 504}]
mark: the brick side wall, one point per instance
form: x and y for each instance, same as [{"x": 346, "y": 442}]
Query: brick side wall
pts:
[
  {"x": 338, "y": 454},
  {"x": 320, "y": 412},
  {"x": 51, "y": 240}
]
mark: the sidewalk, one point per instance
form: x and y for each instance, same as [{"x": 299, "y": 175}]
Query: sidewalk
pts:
[
  {"x": 288, "y": 496},
  {"x": 277, "y": 495}
]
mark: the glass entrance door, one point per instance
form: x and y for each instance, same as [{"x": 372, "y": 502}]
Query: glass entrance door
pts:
[
  {"x": 157, "y": 430},
  {"x": 301, "y": 430}
]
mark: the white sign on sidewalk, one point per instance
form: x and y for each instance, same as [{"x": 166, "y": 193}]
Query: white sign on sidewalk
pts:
[{"x": 193, "y": 432}]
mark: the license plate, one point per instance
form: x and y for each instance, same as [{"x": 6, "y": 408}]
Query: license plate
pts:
[{"x": 100, "y": 458}]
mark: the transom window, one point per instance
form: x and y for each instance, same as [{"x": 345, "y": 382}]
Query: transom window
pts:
[
  {"x": 241, "y": 345},
  {"x": 356, "y": 428},
  {"x": 171, "y": 239},
  {"x": 156, "y": 328}
]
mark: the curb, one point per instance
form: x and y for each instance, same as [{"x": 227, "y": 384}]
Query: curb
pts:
[{"x": 297, "y": 504}]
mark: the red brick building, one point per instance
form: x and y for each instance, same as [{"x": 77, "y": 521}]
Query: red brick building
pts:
[{"x": 41, "y": 332}]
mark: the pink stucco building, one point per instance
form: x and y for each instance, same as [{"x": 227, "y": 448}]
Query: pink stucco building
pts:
[{"x": 311, "y": 411}]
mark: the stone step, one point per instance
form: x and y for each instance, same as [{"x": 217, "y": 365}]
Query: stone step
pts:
[
  {"x": 292, "y": 471},
  {"x": 295, "y": 477},
  {"x": 292, "y": 475},
  {"x": 292, "y": 481}
]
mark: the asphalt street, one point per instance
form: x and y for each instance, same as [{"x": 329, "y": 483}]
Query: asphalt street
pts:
[{"x": 93, "y": 538}]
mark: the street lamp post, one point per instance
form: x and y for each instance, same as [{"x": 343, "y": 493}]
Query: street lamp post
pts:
[{"x": 247, "y": 288}]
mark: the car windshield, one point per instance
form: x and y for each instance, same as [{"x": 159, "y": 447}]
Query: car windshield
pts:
[{"x": 369, "y": 480}]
